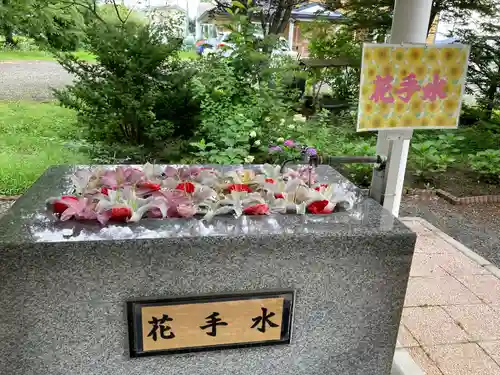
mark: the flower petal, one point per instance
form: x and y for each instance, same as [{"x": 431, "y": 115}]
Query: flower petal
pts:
[
  {"x": 170, "y": 171},
  {"x": 186, "y": 210},
  {"x": 103, "y": 217}
]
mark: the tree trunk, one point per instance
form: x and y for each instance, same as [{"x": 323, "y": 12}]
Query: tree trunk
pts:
[
  {"x": 275, "y": 20},
  {"x": 284, "y": 20},
  {"x": 490, "y": 95},
  {"x": 9, "y": 37}
]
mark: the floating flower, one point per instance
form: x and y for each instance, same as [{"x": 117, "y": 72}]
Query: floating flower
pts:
[
  {"x": 152, "y": 171},
  {"x": 170, "y": 172},
  {"x": 253, "y": 134},
  {"x": 120, "y": 213},
  {"x": 317, "y": 207},
  {"x": 289, "y": 143},
  {"x": 127, "y": 194},
  {"x": 275, "y": 149},
  {"x": 85, "y": 180},
  {"x": 68, "y": 207},
  {"x": 239, "y": 187},
  {"x": 257, "y": 143},
  {"x": 121, "y": 176},
  {"x": 105, "y": 190},
  {"x": 280, "y": 140},
  {"x": 148, "y": 185},
  {"x": 188, "y": 187},
  {"x": 257, "y": 209},
  {"x": 59, "y": 205},
  {"x": 186, "y": 210},
  {"x": 188, "y": 173},
  {"x": 320, "y": 187}
]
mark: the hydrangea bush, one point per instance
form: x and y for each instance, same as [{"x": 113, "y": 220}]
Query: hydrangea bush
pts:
[{"x": 129, "y": 194}]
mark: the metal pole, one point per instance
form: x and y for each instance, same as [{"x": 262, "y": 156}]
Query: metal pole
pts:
[{"x": 409, "y": 25}]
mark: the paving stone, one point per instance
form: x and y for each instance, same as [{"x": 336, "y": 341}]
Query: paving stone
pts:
[
  {"x": 462, "y": 359},
  {"x": 424, "y": 361},
  {"x": 405, "y": 338},
  {"x": 486, "y": 287},
  {"x": 433, "y": 291},
  {"x": 481, "y": 322},
  {"x": 492, "y": 348},
  {"x": 426, "y": 265},
  {"x": 432, "y": 326}
]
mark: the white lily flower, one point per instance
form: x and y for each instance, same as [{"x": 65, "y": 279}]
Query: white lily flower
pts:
[
  {"x": 81, "y": 180},
  {"x": 249, "y": 159},
  {"x": 234, "y": 176},
  {"x": 152, "y": 171},
  {"x": 271, "y": 171},
  {"x": 299, "y": 118}
]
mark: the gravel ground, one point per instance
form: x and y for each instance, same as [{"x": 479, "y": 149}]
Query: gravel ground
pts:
[
  {"x": 475, "y": 226},
  {"x": 31, "y": 80}
]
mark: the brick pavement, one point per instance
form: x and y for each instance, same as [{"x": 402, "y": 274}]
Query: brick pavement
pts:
[{"x": 451, "y": 319}]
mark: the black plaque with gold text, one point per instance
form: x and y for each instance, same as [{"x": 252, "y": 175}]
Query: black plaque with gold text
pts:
[{"x": 199, "y": 323}]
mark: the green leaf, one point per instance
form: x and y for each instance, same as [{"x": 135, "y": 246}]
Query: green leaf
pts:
[{"x": 238, "y": 4}]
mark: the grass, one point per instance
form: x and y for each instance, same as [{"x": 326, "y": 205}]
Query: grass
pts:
[
  {"x": 34, "y": 137},
  {"x": 188, "y": 55},
  {"x": 12, "y": 55}
]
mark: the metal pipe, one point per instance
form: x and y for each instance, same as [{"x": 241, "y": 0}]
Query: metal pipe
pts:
[
  {"x": 329, "y": 160},
  {"x": 351, "y": 160}
]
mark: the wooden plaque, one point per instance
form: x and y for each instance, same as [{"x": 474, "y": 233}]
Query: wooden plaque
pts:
[{"x": 189, "y": 324}]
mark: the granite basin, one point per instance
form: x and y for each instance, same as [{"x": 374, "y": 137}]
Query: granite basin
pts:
[{"x": 65, "y": 286}]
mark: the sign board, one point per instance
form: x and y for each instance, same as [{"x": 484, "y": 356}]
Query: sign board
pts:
[
  {"x": 411, "y": 86},
  {"x": 209, "y": 322}
]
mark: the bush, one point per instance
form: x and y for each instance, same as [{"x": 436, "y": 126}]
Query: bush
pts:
[
  {"x": 487, "y": 164},
  {"x": 232, "y": 107},
  {"x": 24, "y": 44},
  {"x": 327, "y": 41},
  {"x": 242, "y": 98},
  {"x": 470, "y": 115},
  {"x": 429, "y": 158},
  {"x": 331, "y": 135},
  {"x": 138, "y": 92}
]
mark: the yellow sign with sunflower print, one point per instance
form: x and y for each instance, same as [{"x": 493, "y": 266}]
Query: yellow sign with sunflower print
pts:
[{"x": 411, "y": 86}]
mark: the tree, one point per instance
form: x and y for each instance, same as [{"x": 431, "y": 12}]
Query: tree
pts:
[
  {"x": 137, "y": 91},
  {"x": 375, "y": 16},
  {"x": 49, "y": 22},
  {"x": 273, "y": 15},
  {"x": 328, "y": 41},
  {"x": 483, "y": 75},
  {"x": 13, "y": 14}
]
